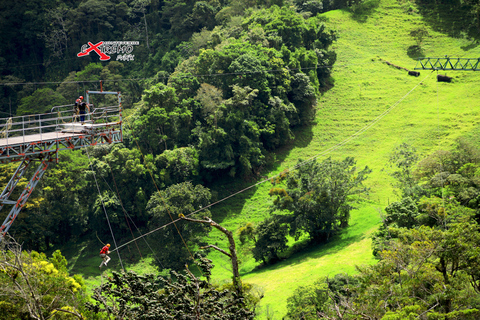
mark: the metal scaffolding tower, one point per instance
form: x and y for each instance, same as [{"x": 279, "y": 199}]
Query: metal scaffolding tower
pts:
[{"x": 39, "y": 138}]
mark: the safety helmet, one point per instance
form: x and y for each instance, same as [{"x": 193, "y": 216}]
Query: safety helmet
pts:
[
  {"x": 81, "y": 97},
  {"x": 108, "y": 245}
]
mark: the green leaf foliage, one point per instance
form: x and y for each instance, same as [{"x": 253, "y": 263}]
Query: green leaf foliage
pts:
[
  {"x": 307, "y": 300},
  {"x": 177, "y": 165},
  {"x": 35, "y": 287},
  {"x": 182, "y": 296},
  {"x": 431, "y": 269},
  {"x": 425, "y": 272},
  {"x": 320, "y": 196},
  {"x": 264, "y": 66},
  {"x": 41, "y": 101},
  {"x": 270, "y": 240},
  {"x": 171, "y": 241},
  {"x": 161, "y": 121},
  {"x": 430, "y": 187}
]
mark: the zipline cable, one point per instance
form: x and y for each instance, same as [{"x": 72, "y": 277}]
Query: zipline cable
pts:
[
  {"x": 121, "y": 204},
  {"x": 329, "y": 150},
  {"x": 207, "y": 75},
  {"x": 168, "y": 210},
  {"x": 136, "y": 227},
  {"x": 104, "y": 210},
  {"x": 170, "y": 76}
]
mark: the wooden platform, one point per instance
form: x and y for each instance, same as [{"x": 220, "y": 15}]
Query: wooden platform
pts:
[
  {"x": 68, "y": 130},
  {"x": 38, "y": 138}
]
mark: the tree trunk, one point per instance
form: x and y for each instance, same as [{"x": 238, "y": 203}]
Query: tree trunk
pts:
[
  {"x": 446, "y": 280},
  {"x": 146, "y": 28},
  {"x": 233, "y": 252}
]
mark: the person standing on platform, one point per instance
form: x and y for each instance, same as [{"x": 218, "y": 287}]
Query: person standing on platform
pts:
[
  {"x": 78, "y": 102},
  {"x": 83, "y": 108}
]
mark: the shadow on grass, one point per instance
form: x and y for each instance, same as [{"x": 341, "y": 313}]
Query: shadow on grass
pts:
[
  {"x": 453, "y": 18},
  {"x": 84, "y": 259},
  {"x": 471, "y": 46},
  {"x": 303, "y": 137},
  {"x": 228, "y": 187},
  {"x": 313, "y": 251},
  {"x": 415, "y": 52},
  {"x": 361, "y": 12}
]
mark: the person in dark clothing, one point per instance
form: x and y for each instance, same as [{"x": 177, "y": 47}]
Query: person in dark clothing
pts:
[
  {"x": 77, "y": 105},
  {"x": 82, "y": 108},
  {"x": 104, "y": 255}
]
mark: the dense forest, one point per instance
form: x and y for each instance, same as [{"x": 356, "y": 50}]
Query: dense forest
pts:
[
  {"x": 210, "y": 92},
  {"x": 261, "y": 70},
  {"x": 427, "y": 246}
]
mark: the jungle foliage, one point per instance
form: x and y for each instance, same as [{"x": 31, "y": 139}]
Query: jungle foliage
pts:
[
  {"x": 219, "y": 85},
  {"x": 37, "y": 287},
  {"x": 43, "y": 38},
  {"x": 263, "y": 66},
  {"x": 180, "y": 296},
  {"x": 316, "y": 201},
  {"x": 428, "y": 247}
]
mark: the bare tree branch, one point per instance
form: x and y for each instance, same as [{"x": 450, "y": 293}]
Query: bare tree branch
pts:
[
  {"x": 32, "y": 287},
  {"x": 218, "y": 249},
  {"x": 233, "y": 252}
]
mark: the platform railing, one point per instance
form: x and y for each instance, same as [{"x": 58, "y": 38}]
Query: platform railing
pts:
[
  {"x": 106, "y": 115},
  {"x": 55, "y": 121}
]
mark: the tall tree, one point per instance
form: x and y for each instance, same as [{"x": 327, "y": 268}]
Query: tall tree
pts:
[
  {"x": 424, "y": 273},
  {"x": 403, "y": 160},
  {"x": 270, "y": 239},
  {"x": 41, "y": 101},
  {"x": 162, "y": 121},
  {"x": 174, "y": 241},
  {"x": 320, "y": 196}
]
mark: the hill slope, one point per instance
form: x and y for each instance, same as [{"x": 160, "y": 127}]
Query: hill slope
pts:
[
  {"x": 419, "y": 111},
  {"x": 366, "y": 92}
]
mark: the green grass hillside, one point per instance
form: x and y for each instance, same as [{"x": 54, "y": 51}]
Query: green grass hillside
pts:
[
  {"x": 424, "y": 113},
  {"x": 366, "y": 91}
]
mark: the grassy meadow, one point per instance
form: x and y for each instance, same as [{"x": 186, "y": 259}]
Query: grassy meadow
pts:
[
  {"x": 366, "y": 92},
  {"x": 370, "y": 109}
]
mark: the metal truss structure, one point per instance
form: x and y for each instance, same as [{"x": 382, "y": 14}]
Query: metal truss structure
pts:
[
  {"x": 27, "y": 191},
  {"x": 39, "y": 138},
  {"x": 446, "y": 63},
  {"x": 57, "y": 142}
]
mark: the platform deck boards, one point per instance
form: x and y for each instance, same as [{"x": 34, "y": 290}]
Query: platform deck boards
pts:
[{"x": 13, "y": 141}]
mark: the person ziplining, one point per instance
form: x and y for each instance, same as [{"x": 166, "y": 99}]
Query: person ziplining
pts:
[{"x": 104, "y": 255}]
